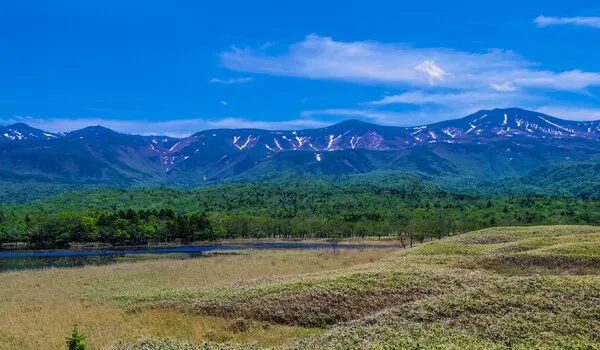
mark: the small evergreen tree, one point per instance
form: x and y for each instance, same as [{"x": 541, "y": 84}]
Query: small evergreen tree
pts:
[{"x": 76, "y": 341}]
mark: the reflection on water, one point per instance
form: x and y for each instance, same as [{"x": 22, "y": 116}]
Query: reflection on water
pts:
[{"x": 20, "y": 260}]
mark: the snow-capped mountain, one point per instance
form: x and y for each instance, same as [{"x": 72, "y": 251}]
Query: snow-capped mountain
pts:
[
  {"x": 513, "y": 122},
  {"x": 481, "y": 127},
  {"x": 506, "y": 140},
  {"x": 21, "y": 131},
  {"x": 478, "y": 127},
  {"x": 353, "y": 134}
]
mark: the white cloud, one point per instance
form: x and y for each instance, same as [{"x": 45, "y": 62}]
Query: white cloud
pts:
[
  {"x": 441, "y": 83},
  {"x": 230, "y": 81},
  {"x": 174, "y": 128},
  {"x": 224, "y": 103},
  {"x": 431, "y": 70},
  {"x": 318, "y": 57},
  {"x": 543, "y": 21},
  {"x": 504, "y": 87}
]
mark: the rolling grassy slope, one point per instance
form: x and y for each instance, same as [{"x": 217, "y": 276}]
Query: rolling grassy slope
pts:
[{"x": 500, "y": 288}]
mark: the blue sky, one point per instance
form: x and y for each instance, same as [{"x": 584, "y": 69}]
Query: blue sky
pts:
[{"x": 178, "y": 67}]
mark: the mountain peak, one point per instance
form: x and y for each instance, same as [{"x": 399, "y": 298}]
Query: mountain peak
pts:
[
  {"x": 19, "y": 125},
  {"x": 512, "y": 110},
  {"x": 352, "y": 123},
  {"x": 97, "y": 129},
  {"x": 21, "y": 131},
  {"x": 501, "y": 111}
]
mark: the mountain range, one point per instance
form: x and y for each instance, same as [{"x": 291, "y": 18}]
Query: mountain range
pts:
[{"x": 487, "y": 146}]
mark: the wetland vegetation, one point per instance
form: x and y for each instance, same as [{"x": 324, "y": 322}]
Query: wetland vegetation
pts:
[{"x": 515, "y": 287}]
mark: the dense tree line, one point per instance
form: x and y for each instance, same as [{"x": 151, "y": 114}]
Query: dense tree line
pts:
[
  {"x": 305, "y": 210},
  {"x": 134, "y": 227},
  {"x": 119, "y": 227}
]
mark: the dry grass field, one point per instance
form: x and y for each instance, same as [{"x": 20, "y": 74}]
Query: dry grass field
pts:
[
  {"x": 39, "y": 308},
  {"x": 499, "y": 288}
]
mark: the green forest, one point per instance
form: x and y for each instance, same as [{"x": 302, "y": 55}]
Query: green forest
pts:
[{"x": 300, "y": 209}]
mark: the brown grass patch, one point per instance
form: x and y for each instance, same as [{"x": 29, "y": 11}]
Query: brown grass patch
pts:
[
  {"x": 487, "y": 240},
  {"x": 526, "y": 264}
]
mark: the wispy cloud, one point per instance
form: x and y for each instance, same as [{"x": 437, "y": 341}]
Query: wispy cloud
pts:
[
  {"x": 543, "y": 21},
  {"x": 571, "y": 112},
  {"x": 400, "y": 64},
  {"x": 230, "y": 81},
  {"x": 455, "y": 98},
  {"x": 439, "y": 83},
  {"x": 424, "y": 107},
  {"x": 375, "y": 115},
  {"x": 406, "y": 118},
  {"x": 433, "y": 107},
  {"x": 173, "y": 128},
  {"x": 268, "y": 125},
  {"x": 224, "y": 103},
  {"x": 504, "y": 87},
  {"x": 432, "y": 114}
]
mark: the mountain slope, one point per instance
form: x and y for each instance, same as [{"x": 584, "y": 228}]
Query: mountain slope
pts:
[
  {"x": 579, "y": 179},
  {"x": 93, "y": 155},
  {"x": 486, "y": 146}
]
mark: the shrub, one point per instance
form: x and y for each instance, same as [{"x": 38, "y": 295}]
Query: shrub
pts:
[{"x": 76, "y": 341}]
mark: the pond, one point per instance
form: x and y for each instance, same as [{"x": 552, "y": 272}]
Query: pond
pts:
[{"x": 25, "y": 260}]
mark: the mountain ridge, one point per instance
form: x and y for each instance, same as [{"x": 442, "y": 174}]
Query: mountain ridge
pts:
[
  {"x": 334, "y": 125},
  {"x": 492, "y": 144}
]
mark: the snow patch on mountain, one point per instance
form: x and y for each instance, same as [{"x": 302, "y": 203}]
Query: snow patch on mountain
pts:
[
  {"x": 332, "y": 140},
  {"x": 174, "y": 146},
  {"x": 277, "y": 144},
  {"x": 301, "y": 140},
  {"x": 248, "y": 140},
  {"x": 449, "y": 132},
  {"x": 354, "y": 141},
  {"x": 556, "y": 125}
]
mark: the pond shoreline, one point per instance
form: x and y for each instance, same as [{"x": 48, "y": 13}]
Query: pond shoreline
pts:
[
  {"x": 184, "y": 249},
  {"x": 22, "y": 248},
  {"x": 27, "y": 260}
]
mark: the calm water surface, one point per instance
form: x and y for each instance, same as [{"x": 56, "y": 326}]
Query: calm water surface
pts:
[{"x": 24, "y": 260}]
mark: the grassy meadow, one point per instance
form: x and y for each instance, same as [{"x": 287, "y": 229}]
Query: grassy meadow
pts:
[
  {"x": 498, "y": 288},
  {"x": 39, "y": 308}
]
